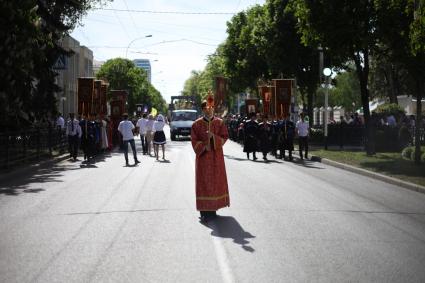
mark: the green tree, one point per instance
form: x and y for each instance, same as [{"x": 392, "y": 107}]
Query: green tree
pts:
[
  {"x": 387, "y": 78},
  {"x": 122, "y": 74},
  {"x": 242, "y": 61},
  {"x": 346, "y": 29},
  {"x": 402, "y": 26},
  {"x": 285, "y": 53},
  {"x": 346, "y": 91},
  {"x": 30, "y": 32}
]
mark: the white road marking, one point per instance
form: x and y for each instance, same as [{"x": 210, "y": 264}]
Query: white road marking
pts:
[{"x": 220, "y": 252}]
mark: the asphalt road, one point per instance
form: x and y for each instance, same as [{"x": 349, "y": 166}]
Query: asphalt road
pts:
[{"x": 288, "y": 222}]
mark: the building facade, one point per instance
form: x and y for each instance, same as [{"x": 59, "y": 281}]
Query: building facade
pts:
[
  {"x": 144, "y": 64},
  {"x": 79, "y": 64}
]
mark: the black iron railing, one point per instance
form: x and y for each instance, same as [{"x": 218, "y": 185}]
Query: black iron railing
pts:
[{"x": 31, "y": 144}]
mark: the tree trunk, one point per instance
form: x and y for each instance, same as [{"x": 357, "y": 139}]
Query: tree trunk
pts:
[
  {"x": 363, "y": 74},
  {"x": 418, "y": 123},
  {"x": 310, "y": 94},
  {"x": 395, "y": 84}
]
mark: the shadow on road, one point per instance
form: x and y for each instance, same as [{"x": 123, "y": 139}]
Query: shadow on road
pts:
[
  {"x": 19, "y": 182},
  {"x": 229, "y": 227},
  {"x": 236, "y": 158},
  {"x": 306, "y": 163}
]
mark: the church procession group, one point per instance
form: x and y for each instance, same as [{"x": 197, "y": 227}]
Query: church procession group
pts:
[
  {"x": 95, "y": 135},
  {"x": 259, "y": 133},
  {"x": 209, "y": 133}
]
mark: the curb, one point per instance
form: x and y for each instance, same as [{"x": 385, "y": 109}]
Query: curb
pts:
[
  {"x": 374, "y": 175},
  {"x": 27, "y": 168}
]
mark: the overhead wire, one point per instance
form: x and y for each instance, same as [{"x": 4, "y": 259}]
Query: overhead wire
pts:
[
  {"x": 122, "y": 25},
  {"x": 132, "y": 19},
  {"x": 166, "y": 12}
]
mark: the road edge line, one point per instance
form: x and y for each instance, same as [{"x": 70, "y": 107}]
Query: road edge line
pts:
[{"x": 381, "y": 177}]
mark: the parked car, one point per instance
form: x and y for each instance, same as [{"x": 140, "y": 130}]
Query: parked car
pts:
[{"x": 181, "y": 122}]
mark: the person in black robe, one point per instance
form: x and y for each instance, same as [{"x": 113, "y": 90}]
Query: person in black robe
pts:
[
  {"x": 265, "y": 136},
  {"x": 287, "y": 134},
  {"x": 88, "y": 138},
  {"x": 274, "y": 136},
  {"x": 250, "y": 135}
]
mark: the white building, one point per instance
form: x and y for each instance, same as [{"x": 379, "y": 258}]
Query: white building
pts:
[
  {"x": 408, "y": 103},
  {"x": 69, "y": 69}
]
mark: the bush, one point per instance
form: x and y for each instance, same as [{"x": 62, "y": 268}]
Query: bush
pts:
[
  {"x": 408, "y": 153},
  {"x": 390, "y": 109}
]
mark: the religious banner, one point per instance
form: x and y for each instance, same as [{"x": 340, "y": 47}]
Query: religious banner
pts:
[
  {"x": 118, "y": 101},
  {"x": 251, "y": 105},
  {"x": 266, "y": 93},
  {"x": 220, "y": 91},
  {"x": 96, "y": 97},
  {"x": 118, "y": 108},
  {"x": 103, "y": 99},
  {"x": 85, "y": 91},
  {"x": 283, "y": 93}
]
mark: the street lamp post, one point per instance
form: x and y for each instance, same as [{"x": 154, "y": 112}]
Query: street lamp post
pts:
[
  {"x": 327, "y": 72},
  {"x": 131, "y": 42},
  {"x": 63, "y": 98}
]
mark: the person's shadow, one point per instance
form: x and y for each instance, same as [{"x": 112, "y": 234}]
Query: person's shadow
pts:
[{"x": 228, "y": 227}]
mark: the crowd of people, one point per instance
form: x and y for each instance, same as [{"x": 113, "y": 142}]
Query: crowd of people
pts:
[
  {"x": 89, "y": 133},
  {"x": 269, "y": 135}
]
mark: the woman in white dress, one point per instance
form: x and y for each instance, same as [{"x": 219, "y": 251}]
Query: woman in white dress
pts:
[
  {"x": 149, "y": 125},
  {"x": 159, "y": 136}
]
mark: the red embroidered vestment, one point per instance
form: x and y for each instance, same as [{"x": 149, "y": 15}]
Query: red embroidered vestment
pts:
[{"x": 211, "y": 181}]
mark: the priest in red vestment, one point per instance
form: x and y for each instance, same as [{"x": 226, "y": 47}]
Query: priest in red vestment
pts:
[{"x": 208, "y": 137}]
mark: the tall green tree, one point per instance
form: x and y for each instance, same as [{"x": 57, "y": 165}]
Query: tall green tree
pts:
[
  {"x": 30, "y": 32},
  {"x": 401, "y": 24},
  {"x": 387, "y": 78},
  {"x": 284, "y": 51},
  {"x": 346, "y": 91},
  {"x": 242, "y": 60},
  {"x": 122, "y": 74},
  {"x": 346, "y": 29}
]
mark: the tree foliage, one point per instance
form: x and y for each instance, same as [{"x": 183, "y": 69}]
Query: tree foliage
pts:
[
  {"x": 122, "y": 74},
  {"x": 402, "y": 28},
  {"x": 30, "y": 32}
]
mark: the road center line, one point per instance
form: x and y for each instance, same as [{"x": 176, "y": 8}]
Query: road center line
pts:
[{"x": 220, "y": 252}]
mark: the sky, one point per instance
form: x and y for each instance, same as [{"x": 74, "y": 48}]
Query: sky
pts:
[{"x": 178, "y": 42}]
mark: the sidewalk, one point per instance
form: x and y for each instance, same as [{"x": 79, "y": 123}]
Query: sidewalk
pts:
[{"x": 379, "y": 176}]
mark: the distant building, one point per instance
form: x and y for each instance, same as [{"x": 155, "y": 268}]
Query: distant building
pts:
[
  {"x": 69, "y": 69},
  {"x": 96, "y": 66},
  {"x": 144, "y": 64},
  {"x": 408, "y": 103}
]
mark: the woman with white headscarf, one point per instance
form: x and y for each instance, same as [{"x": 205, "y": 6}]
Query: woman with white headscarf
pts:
[
  {"x": 159, "y": 136},
  {"x": 149, "y": 134}
]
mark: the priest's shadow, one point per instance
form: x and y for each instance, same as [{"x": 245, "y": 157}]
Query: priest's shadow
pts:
[{"x": 229, "y": 227}]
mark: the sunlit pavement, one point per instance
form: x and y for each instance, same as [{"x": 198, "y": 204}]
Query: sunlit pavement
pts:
[{"x": 299, "y": 221}]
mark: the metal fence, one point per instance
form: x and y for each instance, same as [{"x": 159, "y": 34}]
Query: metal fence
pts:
[
  {"x": 32, "y": 144},
  {"x": 386, "y": 138}
]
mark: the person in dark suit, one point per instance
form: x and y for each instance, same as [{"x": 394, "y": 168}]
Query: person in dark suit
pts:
[
  {"x": 265, "y": 136},
  {"x": 250, "y": 135},
  {"x": 287, "y": 134}
]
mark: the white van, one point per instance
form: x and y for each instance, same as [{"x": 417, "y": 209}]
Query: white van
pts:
[{"x": 181, "y": 122}]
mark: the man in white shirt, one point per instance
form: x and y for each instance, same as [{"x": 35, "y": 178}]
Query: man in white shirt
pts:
[
  {"x": 141, "y": 125},
  {"x": 60, "y": 122},
  {"x": 73, "y": 132},
  {"x": 302, "y": 131},
  {"x": 126, "y": 128}
]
